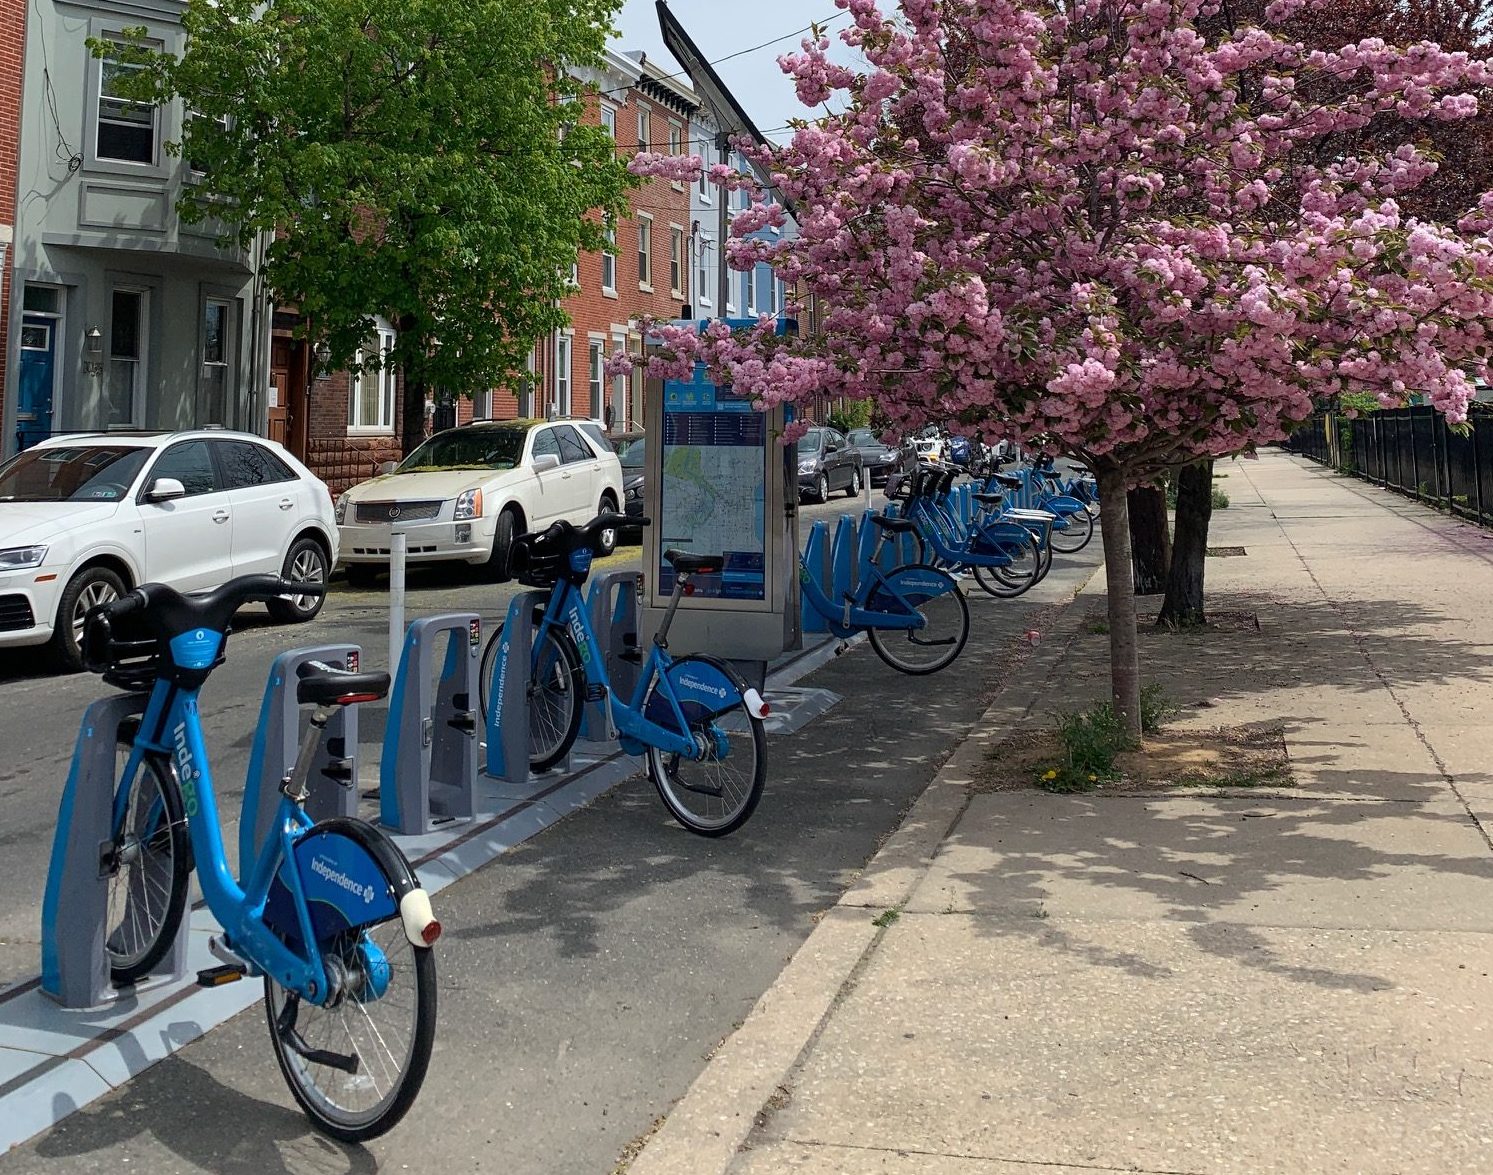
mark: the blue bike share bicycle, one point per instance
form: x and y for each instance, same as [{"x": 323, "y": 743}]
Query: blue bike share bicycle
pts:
[
  {"x": 331, "y": 914},
  {"x": 696, "y": 721},
  {"x": 915, "y": 616}
]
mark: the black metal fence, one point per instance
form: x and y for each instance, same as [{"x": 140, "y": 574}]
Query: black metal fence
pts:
[{"x": 1412, "y": 450}]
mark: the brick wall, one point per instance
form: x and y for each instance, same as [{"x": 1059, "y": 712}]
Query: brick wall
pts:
[
  {"x": 12, "y": 43},
  {"x": 338, "y": 459}
]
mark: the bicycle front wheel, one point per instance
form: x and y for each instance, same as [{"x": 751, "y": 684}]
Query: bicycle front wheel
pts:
[
  {"x": 557, "y": 687},
  {"x": 1024, "y": 570},
  {"x": 355, "y": 1064},
  {"x": 148, "y": 865},
  {"x": 715, "y": 792},
  {"x": 1077, "y": 530},
  {"x": 936, "y": 597}
]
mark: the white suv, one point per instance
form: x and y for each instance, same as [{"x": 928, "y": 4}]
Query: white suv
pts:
[
  {"x": 465, "y": 493},
  {"x": 86, "y": 518}
]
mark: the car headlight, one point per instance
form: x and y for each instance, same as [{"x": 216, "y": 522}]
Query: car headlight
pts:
[
  {"x": 340, "y": 509},
  {"x": 468, "y": 505},
  {"x": 18, "y": 558},
  {"x": 807, "y": 466},
  {"x": 634, "y": 493}
]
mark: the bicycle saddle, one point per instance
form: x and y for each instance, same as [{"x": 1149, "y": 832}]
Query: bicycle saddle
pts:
[
  {"x": 1010, "y": 481},
  {"x": 989, "y": 499},
  {"x": 895, "y": 525},
  {"x": 326, "y": 685},
  {"x": 687, "y": 564}
]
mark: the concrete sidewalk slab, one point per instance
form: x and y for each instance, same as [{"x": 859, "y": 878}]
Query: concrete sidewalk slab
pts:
[
  {"x": 820, "y": 1159},
  {"x": 1122, "y": 1045},
  {"x": 1268, "y": 860}
]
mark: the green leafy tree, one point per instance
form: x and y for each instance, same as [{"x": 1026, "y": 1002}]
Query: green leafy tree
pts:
[{"x": 419, "y": 160}]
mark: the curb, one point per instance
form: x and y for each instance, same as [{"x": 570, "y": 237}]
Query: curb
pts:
[{"x": 706, "y": 1128}]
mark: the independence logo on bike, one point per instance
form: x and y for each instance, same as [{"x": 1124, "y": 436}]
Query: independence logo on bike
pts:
[{"x": 333, "y": 876}]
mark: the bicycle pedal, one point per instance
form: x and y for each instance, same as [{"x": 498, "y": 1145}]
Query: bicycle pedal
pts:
[
  {"x": 231, "y": 959},
  {"x": 218, "y": 976},
  {"x": 595, "y": 692}
]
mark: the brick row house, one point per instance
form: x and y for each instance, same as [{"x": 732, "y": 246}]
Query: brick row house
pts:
[
  {"x": 122, "y": 316},
  {"x": 12, "y": 46}
]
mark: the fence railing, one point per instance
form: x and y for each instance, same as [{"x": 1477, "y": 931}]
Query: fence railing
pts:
[{"x": 1412, "y": 450}]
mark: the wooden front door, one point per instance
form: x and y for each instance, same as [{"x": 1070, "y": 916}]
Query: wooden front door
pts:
[{"x": 287, "y": 416}]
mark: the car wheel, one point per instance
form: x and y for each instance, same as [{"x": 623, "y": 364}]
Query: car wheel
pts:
[
  {"x": 853, "y": 490},
  {"x": 88, "y": 589},
  {"x": 305, "y": 562},
  {"x": 606, "y": 541},
  {"x": 821, "y": 488},
  {"x": 499, "y": 563},
  {"x": 361, "y": 575}
]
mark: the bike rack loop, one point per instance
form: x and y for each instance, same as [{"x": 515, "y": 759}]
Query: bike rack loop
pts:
[
  {"x": 75, "y": 908},
  {"x": 612, "y": 608},
  {"x": 277, "y": 740},
  {"x": 816, "y": 559},
  {"x": 843, "y": 563},
  {"x": 429, "y": 766},
  {"x": 508, "y": 715}
]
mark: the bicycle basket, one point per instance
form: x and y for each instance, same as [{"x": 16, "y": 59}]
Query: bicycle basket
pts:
[
  {"x": 126, "y": 656},
  {"x": 536, "y": 562}
]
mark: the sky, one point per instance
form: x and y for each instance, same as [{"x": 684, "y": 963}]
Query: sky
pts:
[{"x": 721, "y": 28}]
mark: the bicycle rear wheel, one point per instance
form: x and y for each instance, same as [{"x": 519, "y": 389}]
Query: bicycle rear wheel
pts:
[
  {"x": 148, "y": 863},
  {"x": 359, "y": 1060},
  {"x": 937, "y": 599},
  {"x": 1025, "y": 569},
  {"x": 717, "y": 792},
  {"x": 1078, "y": 529}
]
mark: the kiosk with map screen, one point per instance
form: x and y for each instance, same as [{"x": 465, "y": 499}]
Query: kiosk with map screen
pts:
[{"x": 718, "y": 482}]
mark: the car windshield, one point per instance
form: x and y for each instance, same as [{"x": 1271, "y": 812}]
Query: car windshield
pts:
[
  {"x": 630, "y": 453},
  {"x": 72, "y": 473},
  {"x": 862, "y": 436},
  {"x": 808, "y": 443},
  {"x": 468, "y": 448}
]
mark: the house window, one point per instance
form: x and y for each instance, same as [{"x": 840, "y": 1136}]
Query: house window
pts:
[
  {"x": 595, "y": 361},
  {"x": 574, "y": 280},
  {"x": 676, "y": 138},
  {"x": 645, "y": 251},
  {"x": 212, "y": 406},
  {"x": 751, "y": 293},
  {"x": 526, "y": 388},
  {"x": 609, "y": 120},
  {"x": 126, "y": 129},
  {"x": 644, "y": 138},
  {"x": 706, "y": 187},
  {"x": 371, "y": 393},
  {"x": 676, "y": 261},
  {"x": 194, "y": 119},
  {"x": 618, "y": 414},
  {"x": 126, "y": 357},
  {"x": 562, "y": 375},
  {"x": 609, "y": 258},
  {"x": 702, "y": 272},
  {"x": 766, "y": 288}
]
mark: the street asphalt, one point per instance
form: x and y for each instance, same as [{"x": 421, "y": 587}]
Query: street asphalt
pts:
[{"x": 586, "y": 977}]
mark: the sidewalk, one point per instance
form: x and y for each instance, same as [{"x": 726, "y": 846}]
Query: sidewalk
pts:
[{"x": 1293, "y": 979}]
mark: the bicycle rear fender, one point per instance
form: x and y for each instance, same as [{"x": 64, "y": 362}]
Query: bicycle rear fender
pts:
[
  {"x": 351, "y": 876},
  {"x": 915, "y": 584},
  {"x": 704, "y": 688},
  {"x": 1062, "y": 505}
]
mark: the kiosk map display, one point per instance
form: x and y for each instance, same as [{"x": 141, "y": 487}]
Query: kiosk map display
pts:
[{"x": 714, "y": 486}]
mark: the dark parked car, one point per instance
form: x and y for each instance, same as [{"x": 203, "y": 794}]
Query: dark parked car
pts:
[
  {"x": 826, "y": 463},
  {"x": 877, "y": 460},
  {"x": 629, "y": 447}
]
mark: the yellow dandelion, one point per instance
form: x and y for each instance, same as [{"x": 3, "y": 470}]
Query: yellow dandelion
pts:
[
  {"x": 1050, "y": 775},
  {"x": 1093, "y": 779}
]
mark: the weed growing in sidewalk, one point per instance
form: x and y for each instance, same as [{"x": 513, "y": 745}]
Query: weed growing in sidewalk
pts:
[{"x": 1091, "y": 741}]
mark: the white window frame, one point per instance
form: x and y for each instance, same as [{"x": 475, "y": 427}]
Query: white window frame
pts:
[
  {"x": 645, "y": 252},
  {"x": 751, "y": 292},
  {"x": 524, "y": 395},
  {"x": 564, "y": 361},
  {"x": 620, "y": 385},
  {"x": 645, "y": 128},
  {"x": 677, "y": 261},
  {"x": 702, "y": 270},
  {"x": 141, "y": 361},
  {"x": 596, "y": 377},
  {"x": 676, "y": 147},
  {"x": 607, "y": 118},
  {"x": 706, "y": 188},
  {"x": 386, "y": 378},
  {"x": 230, "y": 320},
  {"x": 609, "y": 258},
  {"x": 98, "y": 119}
]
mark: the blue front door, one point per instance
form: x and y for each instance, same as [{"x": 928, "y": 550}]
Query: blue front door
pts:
[{"x": 38, "y": 371}]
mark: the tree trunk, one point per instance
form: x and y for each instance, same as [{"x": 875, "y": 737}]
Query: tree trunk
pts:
[
  {"x": 1124, "y": 650},
  {"x": 1150, "y": 544},
  {"x": 1183, "y": 606}
]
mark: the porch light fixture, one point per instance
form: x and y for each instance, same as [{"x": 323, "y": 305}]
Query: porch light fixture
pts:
[{"x": 93, "y": 350}]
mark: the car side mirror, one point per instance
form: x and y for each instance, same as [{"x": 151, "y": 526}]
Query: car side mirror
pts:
[
  {"x": 831, "y": 447},
  {"x": 165, "y": 489},
  {"x": 545, "y": 462},
  {"x": 386, "y": 467}
]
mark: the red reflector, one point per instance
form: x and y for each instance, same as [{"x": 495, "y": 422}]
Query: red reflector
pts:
[
  {"x": 766, "y": 710},
  {"x": 431, "y": 932},
  {"x": 689, "y": 589},
  {"x": 349, "y": 699}
]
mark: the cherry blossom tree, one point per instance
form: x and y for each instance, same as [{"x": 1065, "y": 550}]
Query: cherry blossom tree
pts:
[{"x": 1097, "y": 226}]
